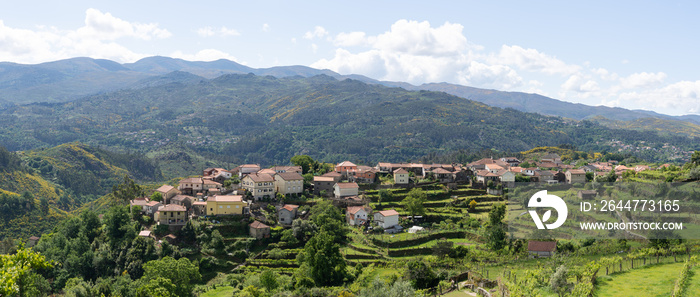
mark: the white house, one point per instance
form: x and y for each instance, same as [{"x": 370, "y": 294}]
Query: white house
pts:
[
  {"x": 506, "y": 177},
  {"x": 260, "y": 185},
  {"x": 386, "y": 218},
  {"x": 493, "y": 168},
  {"x": 341, "y": 190},
  {"x": 401, "y": 176},
  {"x": 357, "y": 215}
]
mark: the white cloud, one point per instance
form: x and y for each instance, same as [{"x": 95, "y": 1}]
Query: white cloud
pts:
[
  {"x": 533, "y": 60},
  {"x": 96, "y": 39},
  {"x": 204, "y": 55},
  {"x": 578, "y": 84},
  {"x": 642, "y": 80},
  {"x": 605, "y": 74},
  {"x": 351, "y": 39},
  {"x": 228, "y": 32},
  {"x": 318, "y": 32},
  {"x": 491, "y": 76},
  {"x": 679, "y": 98},
  {"x": 223, "y": 31},
  {"x": 266, "y": 27},
  {"x": 104, "y": 26},
  {"x": 205, "y": 32},
  {"x": 314, "y": 48},
  {"x": 416, "y": 52},
  {"x": 414, "y": 38}
]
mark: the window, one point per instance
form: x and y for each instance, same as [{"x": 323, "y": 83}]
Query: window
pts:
[
  {"x": 228, "y": 206},
  {"x": 237, "y": 206},
  {"x": 220, "y": 206}
]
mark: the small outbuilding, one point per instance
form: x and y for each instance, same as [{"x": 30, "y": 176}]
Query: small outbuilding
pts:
[{"x": 541, "y": 248}]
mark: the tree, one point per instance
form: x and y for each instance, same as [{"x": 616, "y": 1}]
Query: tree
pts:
[
  {"x": 44, "y": 205},
  {"x": 157, "y": 196},
  {"x": 472, "y": 205},
  {"x": 695, "y": 158},
  {"x": 118, "y": 225},
  {"x": 558, "y": 281},
  {"x": 158, "y": 287},
  {"x": 495, "y": 232},
  {"x": 385, "y": 195},
  {"x": 415, "y": 200},
  {"x": 19, "y": 273},
  {"x": 442, "y": 248},
  {"x": 181, "y": 273},
  {"x": 302, "y": 230},
  {"x": 127, "y": 190},
  {"x": 322, "y": 255},
  {"x": 379, "y": 288},
  {"x": 306, "y": 162},
  {"x": 268, "y": 279},
  {"x": 420, "y": 274},
  {"x": 90, "y": 224},
  {"x": 328, "y": 218}
]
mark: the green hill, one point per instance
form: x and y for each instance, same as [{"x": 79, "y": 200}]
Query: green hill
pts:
[
  {"x": 88, "y": 172},
  {"x": 663, "y": 126},
  {"x": 21, "y": 195},
  {"x": 263, "y": 119}
]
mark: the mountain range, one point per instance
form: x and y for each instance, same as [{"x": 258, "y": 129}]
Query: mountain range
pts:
[{"x": 70, "y": 79}]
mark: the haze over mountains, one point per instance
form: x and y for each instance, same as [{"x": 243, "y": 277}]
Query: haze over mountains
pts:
[{"x": 70, "y": 79}]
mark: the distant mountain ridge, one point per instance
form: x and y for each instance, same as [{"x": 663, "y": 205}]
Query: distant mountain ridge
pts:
[{"x": 70, "y": 79}]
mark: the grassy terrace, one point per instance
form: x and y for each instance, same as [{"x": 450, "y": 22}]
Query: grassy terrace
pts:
[{"x": 651, "y": 280}]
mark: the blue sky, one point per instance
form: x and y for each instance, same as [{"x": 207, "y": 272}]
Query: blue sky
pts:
[{"x": 632, "y": 54}]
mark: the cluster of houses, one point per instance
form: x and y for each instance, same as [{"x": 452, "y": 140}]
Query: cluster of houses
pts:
[{"x": 206, "y": 195}]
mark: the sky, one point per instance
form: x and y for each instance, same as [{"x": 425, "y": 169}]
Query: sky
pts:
[{"x": 630, "y": 54}]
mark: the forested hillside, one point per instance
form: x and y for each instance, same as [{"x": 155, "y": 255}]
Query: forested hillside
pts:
[
  {"x": 263, "y": 119},
  {"x": 26, "y": 200}
]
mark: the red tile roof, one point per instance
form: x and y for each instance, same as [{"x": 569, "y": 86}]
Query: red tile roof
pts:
[
  {"x": 323, "y": 179},
  {"x": 290, "y": 207},
  {"x": 390, "y": 212},
  {"x": 258, "y": 225},
  {"x": 192, "y": 180},
  {"x": 290, "y": 176},
  {"x": 577, "y": 171},
  {"x": 541, "y": 246},
  {"x": 346, "y": 164},
  {"x": 440, "y": 171},
  {"x": 400, "y": 171},
  {"x": 226, "y": 198},
  {"x": 172, "y": 207},
  {"x": 347, "y": 185},
  {"x": 165, "y": 188},
  {"x": 353, "y": 209},
  {"x": 261, "y": 177}
]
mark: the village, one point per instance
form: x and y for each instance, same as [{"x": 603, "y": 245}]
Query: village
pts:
[{"x": 214, "y": 195}]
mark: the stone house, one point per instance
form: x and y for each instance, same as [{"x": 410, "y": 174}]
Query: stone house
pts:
[
  {"x": 287, "y": 214},
  {"x": 259, "y": 230}
]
